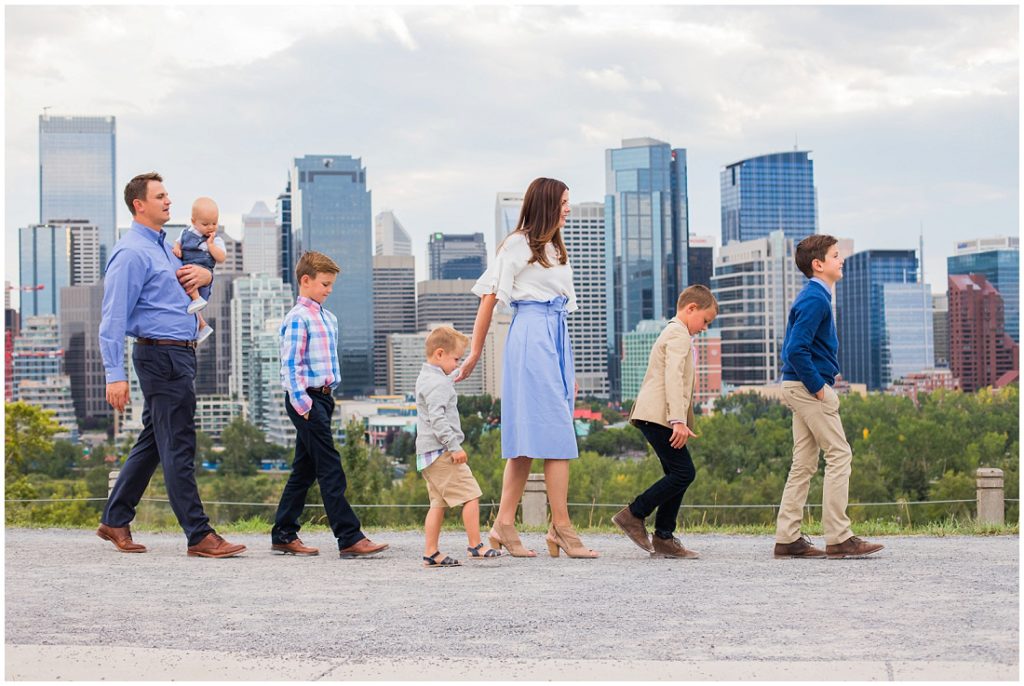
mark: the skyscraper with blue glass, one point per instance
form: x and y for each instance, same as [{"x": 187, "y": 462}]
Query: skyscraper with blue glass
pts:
[
  {"x": 330, "y": 213},
  {"x": 881, "y": 310},
  {"x": 769, "y": 193},
  {"x": 998, "y": 260},
  {"x": 647, "y": 231},
  {"x": 77, "y": 174}
]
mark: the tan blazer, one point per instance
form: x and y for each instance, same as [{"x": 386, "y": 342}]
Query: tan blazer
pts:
[{"x": 667, "y": 390}]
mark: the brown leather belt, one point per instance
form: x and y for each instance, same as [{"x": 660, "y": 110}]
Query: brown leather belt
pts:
[
  {"x": 161, "y": 341},
  {"x": 326, "y": 390}
]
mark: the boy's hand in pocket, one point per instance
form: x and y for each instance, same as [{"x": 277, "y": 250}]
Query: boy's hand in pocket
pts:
[{"x": 460, "y": 457}]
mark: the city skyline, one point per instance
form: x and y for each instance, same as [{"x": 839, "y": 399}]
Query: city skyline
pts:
[{"x": 884, "y": 97}]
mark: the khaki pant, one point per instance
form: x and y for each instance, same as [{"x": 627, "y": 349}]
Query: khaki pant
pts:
[{"x": 816, "y": 428}]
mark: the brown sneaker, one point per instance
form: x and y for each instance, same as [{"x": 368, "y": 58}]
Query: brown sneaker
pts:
[
  {"x": 363, "y": 548},
  {"x": 800, "y": 548},
  {"x": 215, "y": 546},
  {"x": 294, "y": 548},
  {"x": 121, "y": 537},
  {"x": 633, "y": 527},
  {"x": 671, "y": 547},
  {"x": 852, "y": 547}
]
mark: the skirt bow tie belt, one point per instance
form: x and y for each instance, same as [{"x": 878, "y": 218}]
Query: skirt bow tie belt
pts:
[{"x": 538, "y": 383}]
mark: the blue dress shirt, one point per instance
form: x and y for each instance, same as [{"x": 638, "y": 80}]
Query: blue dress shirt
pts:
[{"x": 142, "y": 297}]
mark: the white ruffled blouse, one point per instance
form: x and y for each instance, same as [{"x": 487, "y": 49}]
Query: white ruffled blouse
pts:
[{"x": 511, "y": 277}]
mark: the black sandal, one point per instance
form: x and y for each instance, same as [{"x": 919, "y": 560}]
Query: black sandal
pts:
[
  {"x": 446, "y": 562},
  {"x": 474, "y": 552}
]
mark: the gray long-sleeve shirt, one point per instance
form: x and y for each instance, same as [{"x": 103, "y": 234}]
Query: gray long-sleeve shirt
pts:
[{"x": 437, "y": 412}]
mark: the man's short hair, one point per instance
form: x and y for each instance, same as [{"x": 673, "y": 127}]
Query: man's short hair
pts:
[
  {"x": 447, "y": 339},
  {"x": 698, "y": 294},
  {"x": 312, "y": 263},
  {"x": 812, "y": 248},
  {"x": 136, "y": 189}
]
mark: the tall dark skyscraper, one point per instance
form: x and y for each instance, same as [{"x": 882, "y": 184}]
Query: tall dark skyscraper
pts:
[
  {"x": 701, "y": 260},
  {"x": 77, "y": 173},
  {"x": 874, "y": 312},
  {"x": 769, "y": 193},
  {"x": 456, "y": 255},
  {"x": 284, "y": 224},
  {"x": 647, "y": 224},
  {"x": 330, "y": 213}
]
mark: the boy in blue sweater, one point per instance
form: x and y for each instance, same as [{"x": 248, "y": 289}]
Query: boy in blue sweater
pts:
[{"x": 809, "y": 367}]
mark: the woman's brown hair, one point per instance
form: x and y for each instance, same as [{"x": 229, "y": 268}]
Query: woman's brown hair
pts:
[{"x": 540, "y": 217}]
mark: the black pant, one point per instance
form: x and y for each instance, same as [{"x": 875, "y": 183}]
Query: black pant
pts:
[
  {"x": 315, "y": 460},
  {"x": 166, "y": 375},
  {"x": 666, "y": 494}
]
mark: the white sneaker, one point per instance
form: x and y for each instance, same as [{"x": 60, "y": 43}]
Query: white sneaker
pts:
[
  {"x": 196, "y": 305},
  {"x": 204, "y": 333}
]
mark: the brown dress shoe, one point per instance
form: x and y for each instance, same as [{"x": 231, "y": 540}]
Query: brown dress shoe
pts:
[
  {"x": 215, "y": 546},
  {"x": 361, "y": 549},
  {"x": 852, "y": 547},
  {"x": 294, "y": 548},
  {"x": 121, "y": 537},
  {"x": 671, "y": 547},
  {"x": 633, "y": 527},
  {"x": 800, "y": 548}
]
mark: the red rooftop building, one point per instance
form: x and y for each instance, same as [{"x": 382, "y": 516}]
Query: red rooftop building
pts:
[{"x": 980, "y": 351}]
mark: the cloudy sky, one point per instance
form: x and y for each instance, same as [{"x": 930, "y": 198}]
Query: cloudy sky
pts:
[{"x": 911, "y": 112}]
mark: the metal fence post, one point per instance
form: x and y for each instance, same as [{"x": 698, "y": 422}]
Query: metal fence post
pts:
[
  {"x": 111, "y": 480},
  {"x": 991, "y": 506},
  {"x": 535, "y": 501}
]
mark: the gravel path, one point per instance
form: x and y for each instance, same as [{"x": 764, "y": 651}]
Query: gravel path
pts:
[{"x": 941, "y": 600}]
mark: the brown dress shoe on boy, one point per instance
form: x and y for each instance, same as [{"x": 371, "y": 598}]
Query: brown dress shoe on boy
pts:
[
  {"x": 633, "y": 527},
  {"x": 121, "y": 537},
  {"x": 215, "y": 546},
  {"x": 363, "y": 548},
  {"x": 800, "y": 548},
  {"x": 852, "y": 547},
  {"x": 294, "y": 548},
  {"x": 671, "y": 547}
]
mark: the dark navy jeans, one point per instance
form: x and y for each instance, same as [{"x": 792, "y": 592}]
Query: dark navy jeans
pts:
[
  {"x": 166, "y": 374},
  {"x": 315, "y": 460},
  {"x": 666, "y": 494}
]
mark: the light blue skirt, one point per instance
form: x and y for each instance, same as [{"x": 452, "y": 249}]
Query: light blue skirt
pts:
[{"x": 538, "y": 381}]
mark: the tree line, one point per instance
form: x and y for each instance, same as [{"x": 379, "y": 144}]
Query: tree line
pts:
[{"x": 903, "y": 453}]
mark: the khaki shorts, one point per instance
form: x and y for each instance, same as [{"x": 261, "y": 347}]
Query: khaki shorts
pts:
[{"x": 450, "y": 484}]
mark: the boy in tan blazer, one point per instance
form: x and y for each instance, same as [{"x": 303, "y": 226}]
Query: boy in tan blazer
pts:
[{"x": 663, "y": 411}]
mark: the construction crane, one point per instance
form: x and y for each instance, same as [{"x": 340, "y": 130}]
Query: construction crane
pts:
[{"x": 37, "y": 287}]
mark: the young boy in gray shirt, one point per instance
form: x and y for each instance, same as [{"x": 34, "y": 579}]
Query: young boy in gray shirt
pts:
[{"x": 439, "y": 454}]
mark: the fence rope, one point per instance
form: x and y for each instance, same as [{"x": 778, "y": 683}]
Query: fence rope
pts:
[{"x": 419, "y": 505}]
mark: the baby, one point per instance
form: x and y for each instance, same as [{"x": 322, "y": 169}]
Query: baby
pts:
[{"x": 200, "y": 244}]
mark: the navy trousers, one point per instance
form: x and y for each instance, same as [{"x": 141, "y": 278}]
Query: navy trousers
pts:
[
  {"x": 666, "y": 494},
  {"x": 166, "y": 374},
  {"x": 315, "y": 460}
]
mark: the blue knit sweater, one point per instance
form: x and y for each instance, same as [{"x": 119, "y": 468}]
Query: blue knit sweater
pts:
[{"x": 810, "y": 353}]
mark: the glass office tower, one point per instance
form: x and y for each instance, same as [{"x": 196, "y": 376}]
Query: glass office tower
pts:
[
  {"x": 861, "y": 312},
  {"x": 456, "y": 255},
  {"x": 330, "y": 213},
  {"x": 769, "y": 193},
  {"x": 77, "y": 174},
  {"x": 647, "y": 228}
]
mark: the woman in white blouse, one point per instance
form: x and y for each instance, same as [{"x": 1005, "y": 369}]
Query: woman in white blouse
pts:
[{"x": 531, "y": 274}]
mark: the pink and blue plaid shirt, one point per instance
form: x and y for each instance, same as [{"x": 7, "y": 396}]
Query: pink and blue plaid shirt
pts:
[{"x": 309, "y": 351}]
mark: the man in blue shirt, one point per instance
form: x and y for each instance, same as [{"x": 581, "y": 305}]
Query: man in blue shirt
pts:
[
  {"x": 810, "y": 363},
  {"x": 142, "y": 298}
]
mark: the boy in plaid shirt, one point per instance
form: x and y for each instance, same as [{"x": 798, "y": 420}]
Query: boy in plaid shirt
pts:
[{"x": 309, "y": 373}]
